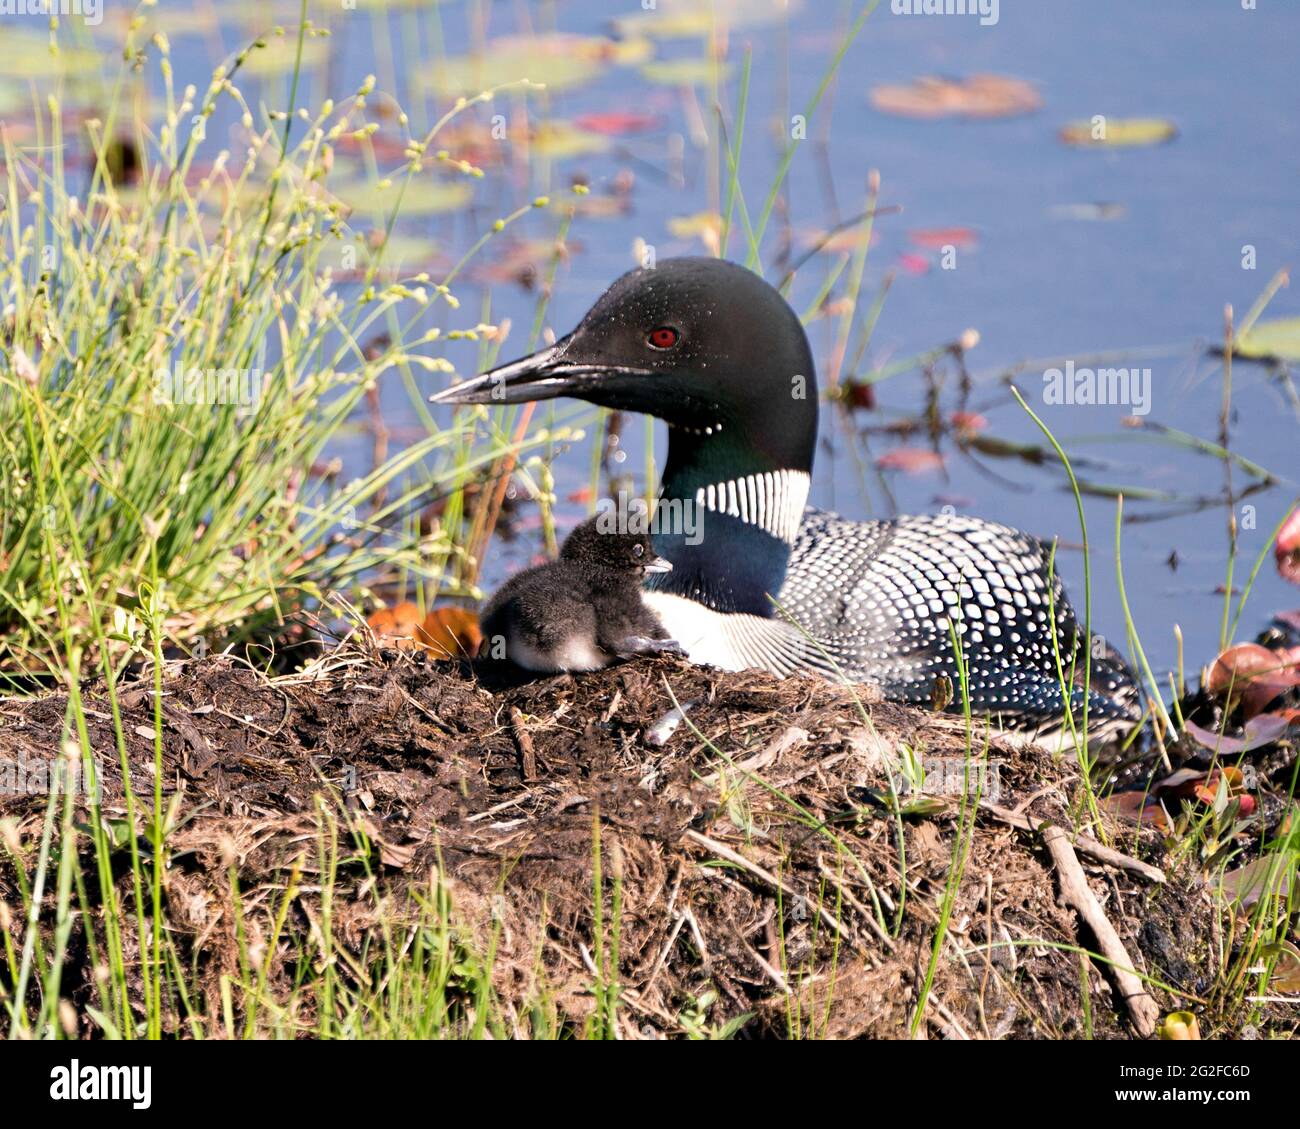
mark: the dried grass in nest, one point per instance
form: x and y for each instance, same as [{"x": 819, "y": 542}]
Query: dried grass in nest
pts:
[{"x": 771, "y": 875}]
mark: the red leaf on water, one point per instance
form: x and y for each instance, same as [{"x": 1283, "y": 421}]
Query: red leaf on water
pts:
[
  {"x": 910, "y": 460},
  {"x": 1287, "y": 549},
  {"x": 617, "y": 123},
  {"x": 940, "y": 237},
  {"x": 913, "y": 264},
  {"x": 968, "y": 422}
]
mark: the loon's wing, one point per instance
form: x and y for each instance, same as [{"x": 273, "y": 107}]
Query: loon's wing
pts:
[{"x": 879, "y": 597}]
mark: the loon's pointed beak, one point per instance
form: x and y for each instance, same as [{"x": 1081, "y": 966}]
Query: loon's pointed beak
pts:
[
  {"x": 659, "y": 564},
  {"x": 544, "y": 375}
]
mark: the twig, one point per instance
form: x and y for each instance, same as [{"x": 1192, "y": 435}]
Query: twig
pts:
[
  {"x": 1082, "y": 843},
  {"x": 786, "y": 739},
  {"x": 527, "y": 753},
  {"x": 1078, "y": 895},
  {"x": 725, "y": 852}
]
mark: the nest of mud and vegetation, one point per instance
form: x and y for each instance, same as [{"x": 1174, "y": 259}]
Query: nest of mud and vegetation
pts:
[{"x": 383, "y": 845}]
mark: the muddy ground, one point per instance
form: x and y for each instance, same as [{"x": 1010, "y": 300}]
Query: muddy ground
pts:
[{"x": 758, "y": 857}]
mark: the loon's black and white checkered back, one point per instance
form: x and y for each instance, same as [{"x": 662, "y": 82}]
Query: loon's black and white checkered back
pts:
[{"x": 879, "y": 597}]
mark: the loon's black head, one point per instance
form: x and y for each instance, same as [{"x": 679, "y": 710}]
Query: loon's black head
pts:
[{"x": 701, "y": 343}]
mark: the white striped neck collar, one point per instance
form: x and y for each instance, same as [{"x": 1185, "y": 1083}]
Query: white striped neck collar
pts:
[{"x": 772, "y": 500}]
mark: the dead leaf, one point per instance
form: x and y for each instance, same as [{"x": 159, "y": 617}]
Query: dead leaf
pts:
[
  {"x": 979, "y": 96},
  {"x": 1287, "y": 549},
  {"x": 397, "y": 626},
  {"x": 910, "y": 460},
  {"x": 451, "y": 632},
  {"x": 1253, "y": 675}
]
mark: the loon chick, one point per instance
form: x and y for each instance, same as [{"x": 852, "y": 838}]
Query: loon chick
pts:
[
  {"x": 580, "y": 612},
  {"x": 718, "y": 354}
]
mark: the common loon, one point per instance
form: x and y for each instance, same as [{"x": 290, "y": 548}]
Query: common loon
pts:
[
  {"x": 580, "y": 612},
  {"x": 714, "y": 351}
]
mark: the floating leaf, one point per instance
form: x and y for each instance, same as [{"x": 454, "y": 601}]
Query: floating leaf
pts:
[
  {"x": 424, "y": 197},
  {"x": 980, "y": 96},
  {"x": 688, "y": 19},
  {"x": 558, "y": 61},
  {"x": 968, "y": 423},
  {"x": 936, "y": 238},
  {"x": 618, "y": 123},
  {"x": 559, "y": 140},
  {"x": 1119, "y": 133},
  {"x": 706, "y": 226},
  {"x": 280, "y": 56},
  {"x": 686, "y": 72},
  {"x": 1271, "y": 340},
  {"x": 27, "y": 55},
  {"x": 401, "y": 253},
  {"x": 913, "y": 263},
  {"x": 12, "y": 99},
  {"x": 910, "y": 460}
]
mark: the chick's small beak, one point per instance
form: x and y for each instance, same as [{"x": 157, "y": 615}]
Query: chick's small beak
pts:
[{"x": 659, "y": 564}]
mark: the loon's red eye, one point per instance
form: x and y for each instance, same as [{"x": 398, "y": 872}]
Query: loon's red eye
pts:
[{"x": 663, "y": 337}]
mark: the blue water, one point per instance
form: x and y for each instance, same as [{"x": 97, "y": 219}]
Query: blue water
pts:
[{"x": 1147, "y": 288}]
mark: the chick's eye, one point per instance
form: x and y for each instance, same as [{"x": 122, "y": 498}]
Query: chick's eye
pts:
[
  {"x": 663, "y": 337},
  {"x": 638, "y": 550}
]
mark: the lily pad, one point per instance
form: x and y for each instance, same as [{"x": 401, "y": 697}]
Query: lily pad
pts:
[
  {"x": 280, "y": 56},
  {"x": 618, "y": 123},
  {"x": 979, "y": 96},
  {"x": 685, "y": 72},
  {"x": 705, "y": 226},
  {"x": 558, "y": 62},
  {"x": 424, "y": 197},
  {"x": 559, "y": 140},
  {"x": 27, "y": 55},
  {"x": 1119, "y": 133},
  {"x": 1272, "y": 340},
  {"x": 13, "y": 99},
  {"x": 689, "y": 19},
  {"x": 402, "y": 254}
]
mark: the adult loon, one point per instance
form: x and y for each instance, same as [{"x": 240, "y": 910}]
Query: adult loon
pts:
[
  {"x": 718, "y": 354},
  {"x": 580, "y": 612}
]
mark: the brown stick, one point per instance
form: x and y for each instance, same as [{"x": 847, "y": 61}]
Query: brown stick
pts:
[
  {"x": 1082, "y": 844},
  {"x": 1078, "y": 895},
  {"x": 524, "y": 740}
]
